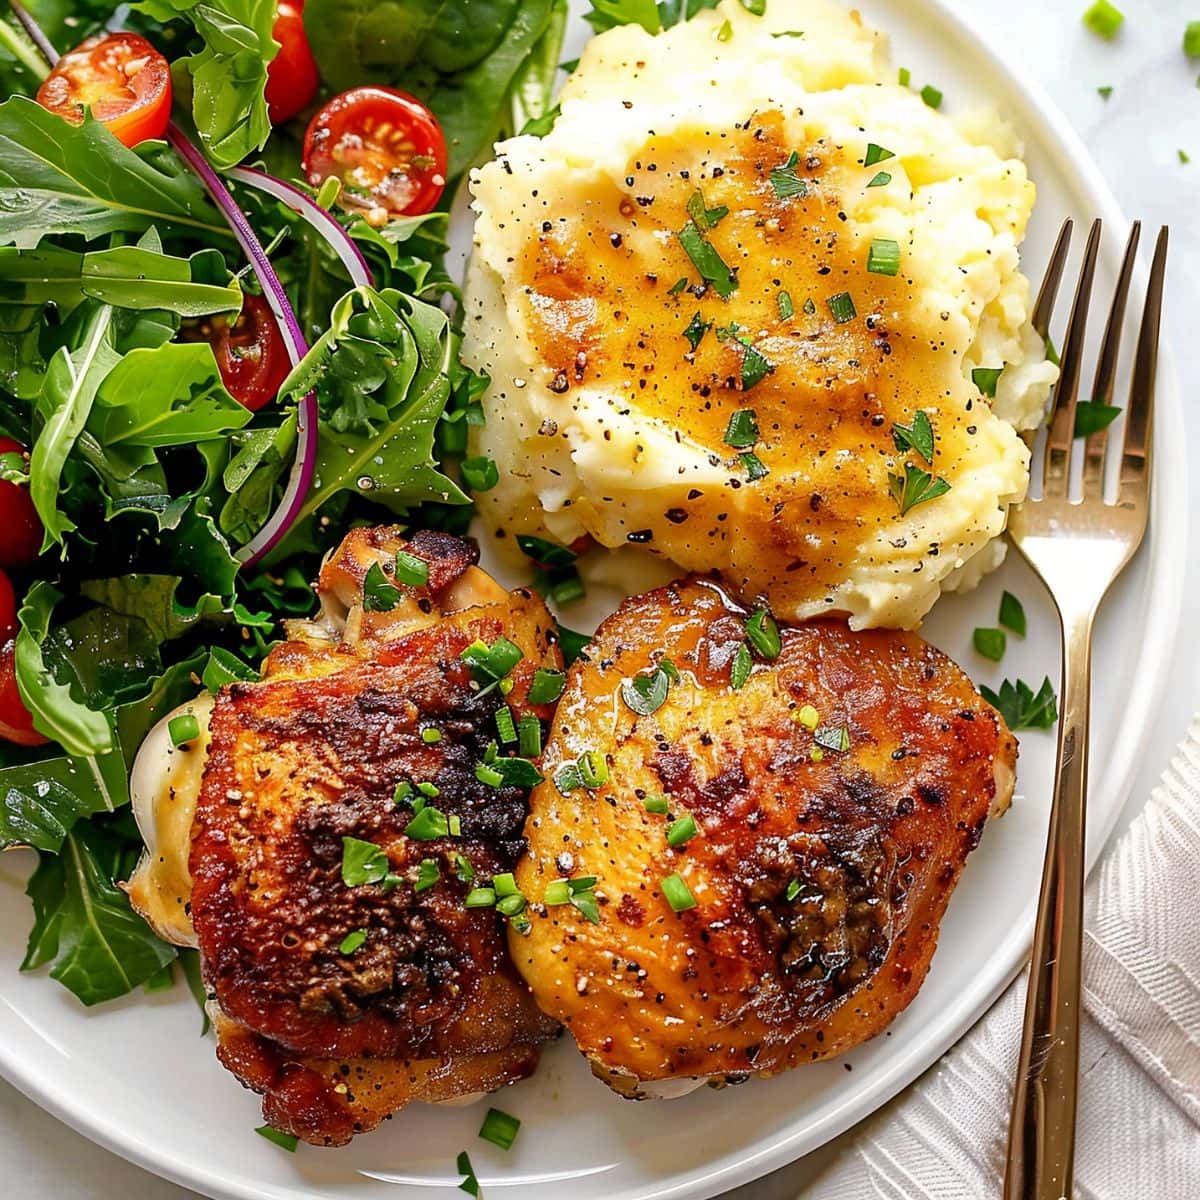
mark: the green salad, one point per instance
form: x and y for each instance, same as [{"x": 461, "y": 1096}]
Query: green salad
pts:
[{"x": 227, "y": 335}]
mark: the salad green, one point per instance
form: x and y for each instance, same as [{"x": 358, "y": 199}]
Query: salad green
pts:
[{"x": 150, "y": 479}]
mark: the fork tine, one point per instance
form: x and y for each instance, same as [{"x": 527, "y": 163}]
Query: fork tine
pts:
[
  {"x": 1135, "y": 465},
  {"x": 1061, "y": 436},
  {"x": 1106, "y": 372},
  {"x": 1043, "y": 310}
]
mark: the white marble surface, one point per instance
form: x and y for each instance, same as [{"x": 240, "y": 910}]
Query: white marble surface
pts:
[{"x": 1136, "y": 136}]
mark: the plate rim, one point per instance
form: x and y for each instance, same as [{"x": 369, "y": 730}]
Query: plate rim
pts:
[{"x": 1164, "y": 575}]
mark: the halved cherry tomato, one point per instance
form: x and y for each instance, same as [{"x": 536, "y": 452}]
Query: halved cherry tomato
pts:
[
  {"x": 20, "y": 527},
  {"x": 250, "y": 354},
  {"x": 121, "y": 78},
  {"x": 292, "y": 77},
  {"x": 385, "y": 146},
  {"x": 16, "y": 725}
]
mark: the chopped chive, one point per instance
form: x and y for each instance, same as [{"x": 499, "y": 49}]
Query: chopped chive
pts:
[
  {"x": 584, "y": 900},
  {"x": 1012, "y": 614},
  {"x": 833, "y": 737},
  {"x": 183, "y": 729},
  {"x": 842, "y": 307},
  {"x": 810, "y": 307},
  {"x": 491, "y": 663},
  {"x": 1191, "y": 39},
  {"x": 403, "y": 791},
  {"x": 655, "y": 804},
  {"x": 511, "y": 906},
  {"x": 1184, "y": 157},
  {"x": 764, "y": 635},
  {"x": 411, "y": 570},
  {"x": 353, "y": 941},
  {"x": 755, "y": 8},
  {"x": 505, "y": 726},
  {"x": 428, "y": 789},
  {"x": 816, "y": 754},
  {"x": 905, "y": 77},
  {"x": 786, "y": 309},
  {"x": 285, "y": 1141},
  {"x": 880, "y": 180},
  {"x": 546, "y": 687},
  {"x": 431, "y": 736},
  {"x": 680, "y": 832},
  {"x": 1105, "y": 92},
  {"x": 593, "y": 769},
  {"x": 470, "y": 1184},
  {"x": 793, "y": 890},
  {"x": 884, "y": 257},
  {"x": 557, "y": 893},
  {"x": 704, "y": 217},
  {"x": 932, "y": 96},
  {"x": 677, "y": 893},
  {"x": 480, "y": 474},
  {"x": 428, "y": 874},
  {"x": 1104, "y": 19},
  {"x": 567, "y": 778},
  {"x": 755, "y": 367},
  {"x": 990, "y": 643},
  {"x": 876, "y": 154},
  {"x": 740, "y": 668},
  {"x": 463, "y": 870},
  {"x": 480, "y": 897},
  {"x": 808, "y": 716},
  {"x": 754, "y": 466},
  {"x": 987, "y": 379},
  {"x": 742, "y": 431},
  {"x": 499, "y": 1128},
  {"x": 725, "y": 32},
  {"x": 378, "y": 594},
  {"x": 529, "y": 735}
]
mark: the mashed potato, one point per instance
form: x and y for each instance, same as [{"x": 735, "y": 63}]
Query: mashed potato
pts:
[{"x": 714, "y": 298}]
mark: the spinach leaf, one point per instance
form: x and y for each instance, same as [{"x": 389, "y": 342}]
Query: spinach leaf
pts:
[
  {"x": 56, "y": 713},
  {"x": 96, "y": 945},
  {"x": 131, "y": 277},
  {"x": 459, "y": 56},
  {"x": 60, "y": 178},
  {"x": 381, "y": 374},
  {"x": 154, "y": 601},
  {"x": 229, "y": 73},
  {"x": 171, "y": 395},
  {"x": 532, "y": 92}
]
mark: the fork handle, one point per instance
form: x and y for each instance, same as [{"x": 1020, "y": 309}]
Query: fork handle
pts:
[{"x": 1041, "y": 1136}]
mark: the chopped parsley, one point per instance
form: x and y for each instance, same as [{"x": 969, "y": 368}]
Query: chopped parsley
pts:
[
  {"x": 499, "y": 1128},
  {"x": 990, "y": 643},
  {"x": 365, "y": 862},
  {"x": 1012, "y": 614},
  {"x": 1093, "y": 417},
  {"x": 470, "y": 1184},
  {"x": 842, "y": 307},
  {"x": 784, "y": 180},
  {"x": 742, "y": 431},
  {"x": 546, "y": 687},
  {"x": 480, "y": 474},
  {"x": 740, "y": 668},
  {"x": 880, "y": 180},
  {"x": 705, "y": 258},
  {"x": 1021, "y": 708},
  {"x": 755, "y": 367},
  {"x": 987, "y": 379},
  {"x": 696, "y": 329},
  {"x": 754, "y": 466},
  {"x": 884, "y": 257},
  {"x": 917, "y": 437},
  {"x": 702, "y": 216},
  {"x": 354, "y": 940},
  {"x": 429, "y": 824},
  {"x": 787, "y": 310},
  {"x": 876, "y": 154},
  {"x": 379, "y": 595},
  {"x": 1104, "y": 19},
  {"x": 915, "y": 487},
  {"x": 411, "y": 570},
  {"x": 793, "y": 890},
  {"x": 428, "y": 874},
  {"x": 1105, "y": 92}
]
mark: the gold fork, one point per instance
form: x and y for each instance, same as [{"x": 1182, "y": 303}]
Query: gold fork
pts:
[{"x": 1078, "y": 547}]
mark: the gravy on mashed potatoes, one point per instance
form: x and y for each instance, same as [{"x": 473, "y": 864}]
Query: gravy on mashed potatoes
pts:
[{"x": 715, "y": 296}]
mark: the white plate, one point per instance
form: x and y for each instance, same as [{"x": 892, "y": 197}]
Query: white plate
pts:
[{"x": 136, "y": 1077}]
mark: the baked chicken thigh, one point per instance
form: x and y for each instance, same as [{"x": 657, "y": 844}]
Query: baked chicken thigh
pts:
[
  {"x": 768, "y": 824},
  {"x": 338, "y": 823}
]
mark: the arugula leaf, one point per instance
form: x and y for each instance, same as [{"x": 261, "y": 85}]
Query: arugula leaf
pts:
[
  {"x": 915, "y": 487},
  {"x": 126, "y": 276},
  {"x": 460, "y": 56},
  {"x": 532, "y": 89},
  {"x": 56, "y": 714},
  {"x": 229, "y": 73},
  {"x": 170, "y": 395},
  {"x": 60, "y": 178},
  {"x": 381, "y": 374},
  {"x": 250, "y": 479},
  {"x": 40, "y": 802},
  {"x": 96, "y": 945}
]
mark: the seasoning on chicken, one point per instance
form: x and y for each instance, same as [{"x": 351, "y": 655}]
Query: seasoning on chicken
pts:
[{"x": 747, "y": 837}]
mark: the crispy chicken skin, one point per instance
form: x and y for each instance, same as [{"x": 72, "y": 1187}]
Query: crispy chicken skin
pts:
[
  {"x": 429, "y": 1006},
  {"x": 820, "y": 875}
]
